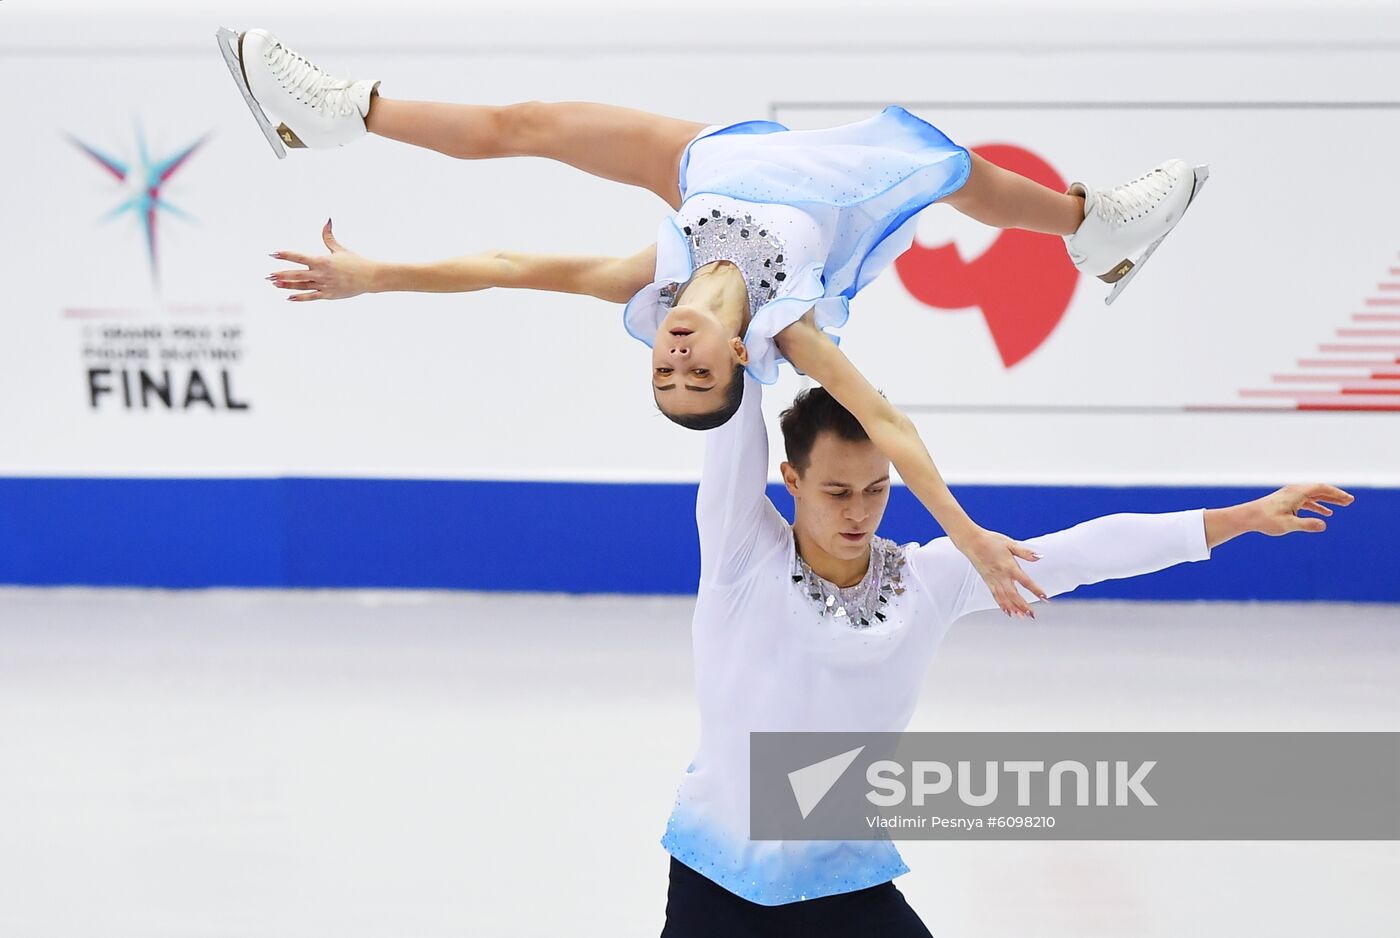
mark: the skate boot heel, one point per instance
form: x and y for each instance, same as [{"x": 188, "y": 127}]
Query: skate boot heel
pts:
[
  {"x": 289, "y": 138},
  {"x": 1117, "y": 273}
]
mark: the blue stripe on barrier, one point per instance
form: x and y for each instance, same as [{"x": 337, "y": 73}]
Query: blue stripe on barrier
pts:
[{"x": 600, "y": 538}]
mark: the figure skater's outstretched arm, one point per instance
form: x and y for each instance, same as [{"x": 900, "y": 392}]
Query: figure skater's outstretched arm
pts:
[
  {"x": 343, "y": 273},
  {"x": 992, "y": 555},
  {"x": 1128, "y": 544}
]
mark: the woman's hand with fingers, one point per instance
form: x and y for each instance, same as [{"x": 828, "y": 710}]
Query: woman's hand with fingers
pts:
[
  {"x": 994, "y": 557},
  {"x": 336, "y": 276}
]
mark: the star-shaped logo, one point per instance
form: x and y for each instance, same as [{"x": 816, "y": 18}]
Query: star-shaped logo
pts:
[{"x": 142, "y": 183}]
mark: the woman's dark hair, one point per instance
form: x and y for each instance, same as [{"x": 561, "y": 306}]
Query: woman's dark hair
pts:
[
  {"x": 812, "y": 412},
  {"x": 733, "y": 397}
]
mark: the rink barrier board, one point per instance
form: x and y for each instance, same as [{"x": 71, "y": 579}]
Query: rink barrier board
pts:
[{"x": 582, "y": 537}]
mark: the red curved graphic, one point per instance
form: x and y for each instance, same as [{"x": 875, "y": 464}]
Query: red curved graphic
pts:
[{"x": 1022, "y": 283}]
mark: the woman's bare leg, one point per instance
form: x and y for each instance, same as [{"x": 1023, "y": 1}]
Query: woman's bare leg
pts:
[
  {"x": 622, "y": 144},
  {"x": 1003, "y": 199}
]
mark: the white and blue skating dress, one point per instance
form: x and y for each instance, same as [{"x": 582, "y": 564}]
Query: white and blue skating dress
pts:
[{"x": 808, "y": 216}]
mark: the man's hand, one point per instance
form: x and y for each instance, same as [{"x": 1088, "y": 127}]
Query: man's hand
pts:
[
  {"x": 1277, "y": 514},
  {"x": 336, "y": 276},
  {"x": 994, "y": 556}
]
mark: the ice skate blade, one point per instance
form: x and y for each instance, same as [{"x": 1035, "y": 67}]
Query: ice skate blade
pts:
[
  {"x": 1126, "y": 271},
  {"x": 229, "y": 46}
]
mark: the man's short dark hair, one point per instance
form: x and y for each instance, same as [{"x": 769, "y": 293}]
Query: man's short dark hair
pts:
[
  {"x": 812, "y": 412},
  {"x": 733, "y": 397}
]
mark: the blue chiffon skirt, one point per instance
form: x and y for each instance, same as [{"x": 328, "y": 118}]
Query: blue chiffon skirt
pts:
[{"x": 864, "y": 183}]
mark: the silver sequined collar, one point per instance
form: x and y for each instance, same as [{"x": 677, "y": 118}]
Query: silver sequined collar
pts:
[
  {"x": 713, "y": 235},
  {"x": 861, "y": 605}
]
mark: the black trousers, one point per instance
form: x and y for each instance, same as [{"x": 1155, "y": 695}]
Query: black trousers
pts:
[{"x": 698, "y": 907}]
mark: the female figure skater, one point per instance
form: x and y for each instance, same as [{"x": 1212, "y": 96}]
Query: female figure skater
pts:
[{"x": 774, "y": 231}]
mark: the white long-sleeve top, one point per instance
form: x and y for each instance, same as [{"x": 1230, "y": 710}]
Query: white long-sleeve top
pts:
[{"x": 767, "y": 660}]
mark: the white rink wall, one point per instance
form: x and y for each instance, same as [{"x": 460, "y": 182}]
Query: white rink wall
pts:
[{"x": 1282, "y": 101}]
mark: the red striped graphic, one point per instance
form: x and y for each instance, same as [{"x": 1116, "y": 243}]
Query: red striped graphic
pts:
[
  {"x": 1349, "y": 384},
  {"x": 1343, "y": 405},
  {"x": 1298, "y": 395},
  {"x": 1337, "y": 403},
  {"x": 1360, "y": 375},
  {"x": 1316, "y": 400}
]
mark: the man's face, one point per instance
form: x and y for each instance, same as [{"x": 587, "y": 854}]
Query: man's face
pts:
[{"x": 841, "y": 496}]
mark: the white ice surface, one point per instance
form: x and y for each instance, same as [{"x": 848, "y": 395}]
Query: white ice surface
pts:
[{"x": 260, "y": 764}]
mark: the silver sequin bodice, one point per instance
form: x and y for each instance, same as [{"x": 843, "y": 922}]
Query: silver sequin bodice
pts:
[{"x": 713, "y": 234}]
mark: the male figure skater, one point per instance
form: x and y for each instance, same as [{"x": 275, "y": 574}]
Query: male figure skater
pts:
[{"x": 823, "y": 626}]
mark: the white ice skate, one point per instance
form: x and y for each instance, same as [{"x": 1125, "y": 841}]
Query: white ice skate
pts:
[
  {"x": 317, "y": 109},
  {"x": 1119, "y": 222}
]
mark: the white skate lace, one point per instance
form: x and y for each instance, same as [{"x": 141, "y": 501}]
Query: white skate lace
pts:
[
  {"x": 310, "y": 83},
  {"x": 1131, "y": 200}
]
